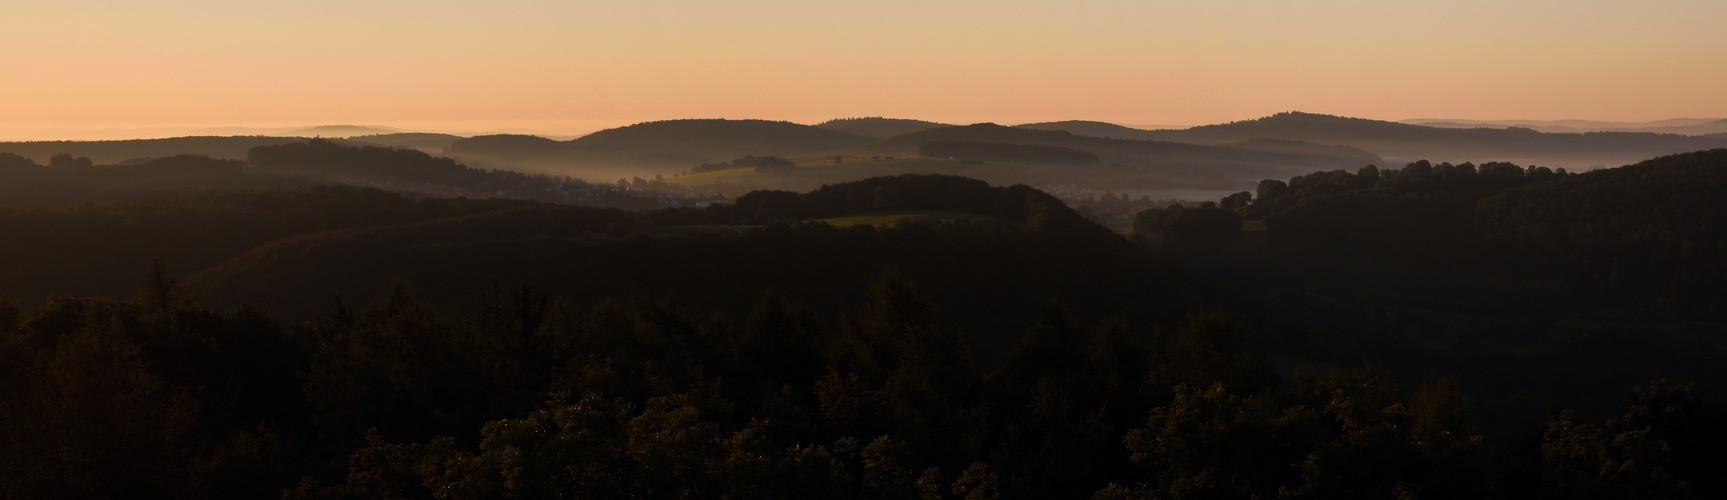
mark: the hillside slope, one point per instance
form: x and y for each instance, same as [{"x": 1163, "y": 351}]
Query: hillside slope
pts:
[
  {"x": 110, "y": 152},
  {"x": 974, "y": 271},
  {"x": 1124, "y": 150},
  {"x": 662, "y": 146},
  {"x": 878, "y": 127},
  {"x": 1400, "y": 142},
  {"x": 430, "y": 143},
  {"x": 1091, "y": 128}
]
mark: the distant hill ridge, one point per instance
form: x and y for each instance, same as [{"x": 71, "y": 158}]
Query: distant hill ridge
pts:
[
  {"x": 428, "y": 142},
  {"x": 110, "y": 152},
  {"x": 1113, "y": 131},
  {"x": 876, "y": 127},
  {"x": 1403, "y": 141},
  {"x": 1682, "y": 126},
  {"x": 1164, "y": 150},
  {"x": 341, "y": 131},
  {"x": 1091, "y": 128},
  {"x": 670, "y": 143}
]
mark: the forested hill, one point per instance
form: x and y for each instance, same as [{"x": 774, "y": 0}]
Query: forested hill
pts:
[
  {"x": 1044, "y": 250},
  {"x": 1113, "y": 131},
  {"x": 1093, "y": 129},
  {"x": 1526, "y": 284},
  {"x": 878, "y": 127},
  {"x": 415, "y": 171},
  {"x": 70, "y": 181},
  {"x": 1406, "y": 142},
  {"x": 430, "y": 143},
  {"x": 1644, "y": 236},
  {"x": 1153, "y": 151},
  {"x": 670, "y": 143},
  {"x": 726, "y": 138},
  {"x": 945, "y": 372},
  {"x": 1650, "y": 235},
  {"x": 98, "y": 249},
  {"x": 23, "y": 183},
  {"x": 114, "y": 152}
]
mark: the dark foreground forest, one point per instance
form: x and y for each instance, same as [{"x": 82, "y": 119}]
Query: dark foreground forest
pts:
[{"x": 1432, "y": 331}]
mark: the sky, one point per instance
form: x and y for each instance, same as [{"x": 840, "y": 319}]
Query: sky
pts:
[{"x": 572, "y": 66}]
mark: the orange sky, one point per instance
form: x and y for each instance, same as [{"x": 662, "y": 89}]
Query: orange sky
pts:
[{"x": 571, "y": 66}]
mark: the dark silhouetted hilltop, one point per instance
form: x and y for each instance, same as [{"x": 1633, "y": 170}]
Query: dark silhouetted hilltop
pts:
[
  {"x": 513, "y": 146},
  {"x": 876, "y": 127},
  {"x": 1130, "y": 151},
  {"x": 654, "y": 147},
  {"x": 1091, "y": 128},
  {"x": 105, "y": 152},
  {"x": 718, "y": 139},
  {"x": 25, "y": 184},
  {"x": 410, "y": 170},
  {"x": 1404, "y": 142},
  {"x": 1681, "y": 126},
  {"x": 430, "y": 143}
]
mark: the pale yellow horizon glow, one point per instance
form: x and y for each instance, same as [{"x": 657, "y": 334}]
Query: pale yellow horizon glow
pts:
[{"x": 583, "y": 65}]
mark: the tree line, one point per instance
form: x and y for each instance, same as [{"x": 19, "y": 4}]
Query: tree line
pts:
[
  {"x": 1638, "y": 236},
  {"x": 523, "y": 394}
]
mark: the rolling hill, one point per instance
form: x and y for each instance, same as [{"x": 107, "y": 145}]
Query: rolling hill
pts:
[
  {"x": 1682, "y": 126},
  {"x": 1401, "y": 142},
  {"x": 1091, "y": 128},
  {"x": 1113, "y": 131},
  {"x": 430, "y": 143},
  {"x": 110, "y": 152},
  {"x": 1258, "y": 156},
  {"x": 660, "y": 147},
  {"x": 878, "y": 127},
  {"x": 557, "y": 249}
]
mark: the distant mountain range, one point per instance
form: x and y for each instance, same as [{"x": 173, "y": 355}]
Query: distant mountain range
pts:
[
  {"x": 1263, "y": 146},
  {"x": 1681, "y": 126},
  {"x": 662, "y": 145},
  {"x": 1263, "y": 152},
  {"x": 1401, "y": 142},
  {"x": 112, "y": 152},
  {"x": 136, "y": 151}
]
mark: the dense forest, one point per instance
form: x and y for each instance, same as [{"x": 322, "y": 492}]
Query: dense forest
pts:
[
  {"x": 1642, "y": 236},
  {"x": 70, "y": 181},
  {"x": 1526, "y": 283},
  {"x": 23, "y": 183},
  {"x": 1402, "y": 140},
  {"x": 522, "y": 394},
  {"x": 430, "y": 330},
  {"x": 877, "y": 127},
  {"x": 650, "y": 148}
]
